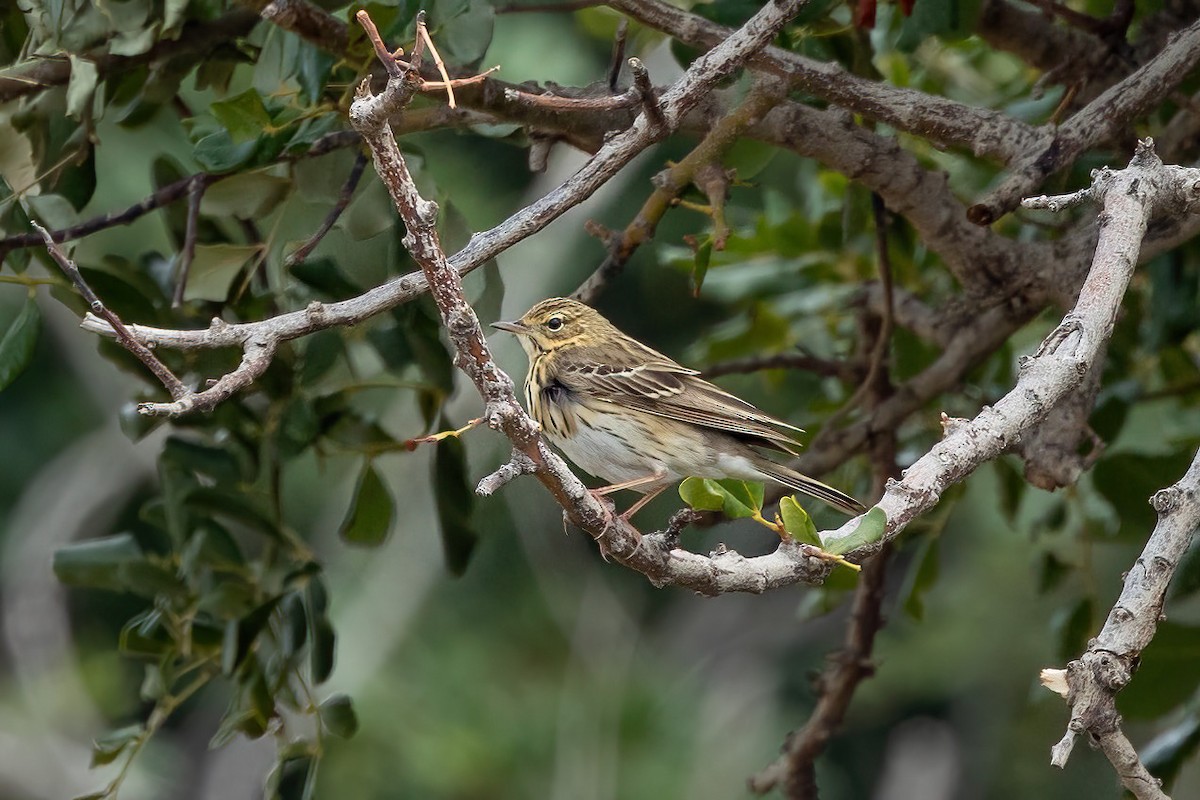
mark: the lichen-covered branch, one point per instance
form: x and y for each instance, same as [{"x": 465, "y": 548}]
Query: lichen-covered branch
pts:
[
  {"x": 1092, "y": 681},
  {"x": 1128, "y": 199}
]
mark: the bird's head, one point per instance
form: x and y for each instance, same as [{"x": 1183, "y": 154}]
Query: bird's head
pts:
[{"x": 557, "y": 322}]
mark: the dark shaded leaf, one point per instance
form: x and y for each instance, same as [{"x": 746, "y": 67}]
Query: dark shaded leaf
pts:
[
  {"x": 97, "y": 563},
  {"x": 108, "y": 746},
  {"x": 293, "y": 779},
  {"x": 322, "y": 642},
  {"x": 240, "y": 635},
  {"x": 1129, "y": 480},
  {"x": 369, "y": 517},
  {"x": 338, "y": 717},
  {"x": 1074, "y": 627},
  {"x": 455, "y": 502},
  {"x": 922, "y": 574},
  {"x": 1170, "y": 750},
  {"x": 17, "y": 345}
]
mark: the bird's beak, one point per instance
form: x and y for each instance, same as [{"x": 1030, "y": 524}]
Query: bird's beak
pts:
[{"x": 511, "y": 327}]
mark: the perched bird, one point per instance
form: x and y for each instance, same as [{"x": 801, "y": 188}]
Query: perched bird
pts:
[{"x": 635, "y": 418}]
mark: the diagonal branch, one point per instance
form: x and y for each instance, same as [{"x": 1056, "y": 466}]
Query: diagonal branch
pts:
[
  {"x": 1128, "y": 199},
  {"x": 1102, "y": 119},
  {"x": 1093, "y": 680}
]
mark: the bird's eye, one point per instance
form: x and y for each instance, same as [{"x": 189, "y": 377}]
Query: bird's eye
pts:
[{"x": 554, "y": 323}]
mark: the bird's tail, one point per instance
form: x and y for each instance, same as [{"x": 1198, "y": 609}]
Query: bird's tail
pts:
[{"x": 809, "y": 486}]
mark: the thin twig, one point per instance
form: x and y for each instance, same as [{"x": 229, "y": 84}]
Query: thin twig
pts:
[
  {"x": 883, "y": 339},
  {"x": 672, "y": 181},
  {"x": 645, "y": 91},
  {"x": 618, "y": 54},
  {"x": 344, "y": 196},
  {"x": 627, "y": 99},
  {"x": 447, "y": 84},
  {"x": 195, "y": 197},
  {"x": 127, "y": 340}
]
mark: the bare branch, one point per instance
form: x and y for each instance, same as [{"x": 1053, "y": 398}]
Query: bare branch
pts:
[
  {"x": 1095, "y": 678},
  {"x": 983, "y": 131},
  {"x": 1102, "y": 119},
  {"x": 127, "y": 340},
  {"x": 1129, "y": 197},
  {"x": 672, "y": 181}
]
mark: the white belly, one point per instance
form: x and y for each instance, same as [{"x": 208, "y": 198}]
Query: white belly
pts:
[{"x": 621, "y": 448}]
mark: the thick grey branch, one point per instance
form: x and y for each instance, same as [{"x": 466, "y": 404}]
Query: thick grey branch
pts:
[{"x": 1129, "y": 197}]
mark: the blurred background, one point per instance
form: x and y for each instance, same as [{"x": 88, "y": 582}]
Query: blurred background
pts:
[{"x": 487, "y": 651}]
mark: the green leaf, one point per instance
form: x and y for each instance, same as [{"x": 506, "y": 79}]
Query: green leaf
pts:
[
  {"x": 463, "y": 30},
  {"x": 922, "y": 574},
  {"x": 217, "y": 463},
  {"x": 234, "y": 504},
  {"x": 214, "y": 266},
  {"x": 240, "y": 635},
  {"x": 700, "y": 267},
  {"x": 97, "y": 563},
  {"x": 742, "y": 498},
  {"x": 338, "y": 717},
  {"x": 217, "y": 152},
  {"x": 108, "y": 746},
  {"x": 737, "y": 499},
  {"x": 314, "y": 68},
  {"x": 16, "y": 348},
  {"x": 322, "y": 642},
  {"x": 797, "y": 522},
  {"x": 82, "y": 87},
  {"x": 701, "y": 494},
  {"x": 243, "y": 115},
  {"x": 455, "y": 502},
  {"x": 870, "y": 530},
  {"x": 293, "y": 779},
  {"x": 369, "y": 517},
  {"x": 250, "y": 195}
]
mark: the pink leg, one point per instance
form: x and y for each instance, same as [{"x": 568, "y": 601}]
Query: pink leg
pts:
[
  {"x": 629, "y": 484},
  {"x": 646, "y": 498}
]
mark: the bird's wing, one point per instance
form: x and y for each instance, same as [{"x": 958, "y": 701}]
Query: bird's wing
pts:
[{"x": 649, "y": 381}]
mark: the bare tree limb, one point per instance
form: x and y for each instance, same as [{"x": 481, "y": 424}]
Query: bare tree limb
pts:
[
  {"x": 127, "y": 340},
  {"x": 984, "y": 132},
  {"x": 1128, "y": 197},
  {"x": 1093, "y": 680},
  {"x": 1103, "y": 118},
  {"x": 672, "y": 181}
]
